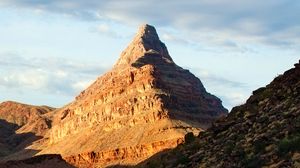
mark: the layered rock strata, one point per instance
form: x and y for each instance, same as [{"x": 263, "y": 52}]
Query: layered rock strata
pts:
[{"x": 145, "y": 100}]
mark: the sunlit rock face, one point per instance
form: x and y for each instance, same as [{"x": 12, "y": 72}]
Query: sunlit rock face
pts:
[{"x": 145, "y": 104}]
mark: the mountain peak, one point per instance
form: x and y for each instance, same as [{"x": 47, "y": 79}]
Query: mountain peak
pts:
[
  {"x": 145, "y": 41},
  {"x": 147, "y": 32}
]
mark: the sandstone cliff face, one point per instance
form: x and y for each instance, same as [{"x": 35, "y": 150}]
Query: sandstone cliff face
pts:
[
  {"x": 264, "y": 132},
  {"x": 126, "y": 155},
  {"x": 145, "y": 104}
]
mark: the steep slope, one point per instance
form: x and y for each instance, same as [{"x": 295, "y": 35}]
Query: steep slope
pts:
[
  {"x": 145, "y": 104},
  {"x": 20, "y": 125},
  {"x": 264, "y": 132}
]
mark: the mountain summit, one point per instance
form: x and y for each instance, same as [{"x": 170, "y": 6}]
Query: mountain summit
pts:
[
  {"x": 145, "y": 41},
  {"x": 144, "y": 105}
]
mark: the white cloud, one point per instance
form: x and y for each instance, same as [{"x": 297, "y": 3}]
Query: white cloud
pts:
[
  {"x": 61, "y": 73},
  {"x": 28, "y": 79},
  {"x": 47, "y": 75},
  {"x": 81, "y": 85},
  {"x": 103, "y": 28}
]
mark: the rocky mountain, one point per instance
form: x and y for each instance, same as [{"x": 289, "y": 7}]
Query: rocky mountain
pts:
[
  {"x": 264, "y": 132},
  {"x": 144, "y": 105},
  {"x": 21, "y": 124}
]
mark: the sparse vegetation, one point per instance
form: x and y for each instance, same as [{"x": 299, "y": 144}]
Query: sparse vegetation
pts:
[
  {"x": 153, "y": 164},
  {"x": 289, "y": 144},
  {"x": 259, "y": 146},
  {"x": 182, "y": 160},
  {"x": 252, "y": 162},
  {"x": 189, "y": 137}
]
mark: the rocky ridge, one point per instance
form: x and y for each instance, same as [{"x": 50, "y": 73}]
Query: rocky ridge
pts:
[{"x": 264, "y": 132}]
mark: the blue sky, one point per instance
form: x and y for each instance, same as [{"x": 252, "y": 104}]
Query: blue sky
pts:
[{"x": 51, "y": 50}]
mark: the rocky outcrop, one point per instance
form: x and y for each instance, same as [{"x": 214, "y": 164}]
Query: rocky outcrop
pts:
[
  {"x": 264, "y": 132},
  {"x": 127, "y": 155},
  {"x": 145, "y": 99}
]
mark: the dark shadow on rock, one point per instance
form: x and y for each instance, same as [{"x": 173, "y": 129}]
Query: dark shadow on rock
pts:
[
  {"x": 151, "y": 58},
  {"x": 190, "y": 102},
  {"x": 12, "y": 144},
  {"x": 41, "y": 161}
]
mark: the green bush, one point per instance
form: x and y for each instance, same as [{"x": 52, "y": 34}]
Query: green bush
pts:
[
  {"x": 252, "y": 162},
  {"x": 259, "y": 146},
  {"x": 182, "y": 160},
  {"x": 153, "y": 164},
  {"x": 189, "y": 137},
  {"x": 229, "y": 146},
  {"x": 289, "y": 144}
]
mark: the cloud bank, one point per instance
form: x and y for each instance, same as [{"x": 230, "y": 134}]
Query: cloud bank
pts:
[
  {"x": 49, "y": 75},
  {"x": 222, "y": 22}
]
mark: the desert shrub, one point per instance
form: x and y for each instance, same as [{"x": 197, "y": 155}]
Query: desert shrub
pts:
[
  {"x": 193, "y": 147},
  {"x": 182, "y": 159},
  {"x": 259, "y": 146},
  {"x": 153, "y": 164},
  {"x": 189, "y": 137},
  {"x": 289, "y": 144},
  {"x": 229, "y": 147},
  {"x": 252, "y": 162}
]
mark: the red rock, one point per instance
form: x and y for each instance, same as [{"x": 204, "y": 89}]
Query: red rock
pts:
[{"x": 144, "y": 105}]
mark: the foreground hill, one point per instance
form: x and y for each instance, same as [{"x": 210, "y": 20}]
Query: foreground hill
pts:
[{"x": 264, "y": 132}]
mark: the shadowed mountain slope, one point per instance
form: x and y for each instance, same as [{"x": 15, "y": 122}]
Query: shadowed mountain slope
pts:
[{"x": 264, "y": 132}]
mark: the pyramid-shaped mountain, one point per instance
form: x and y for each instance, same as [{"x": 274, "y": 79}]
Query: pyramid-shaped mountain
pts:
[{"x": 145, "y": 104}]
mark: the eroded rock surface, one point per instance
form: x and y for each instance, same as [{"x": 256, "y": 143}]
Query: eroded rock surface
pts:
[{"x": 145, "y": 100}]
